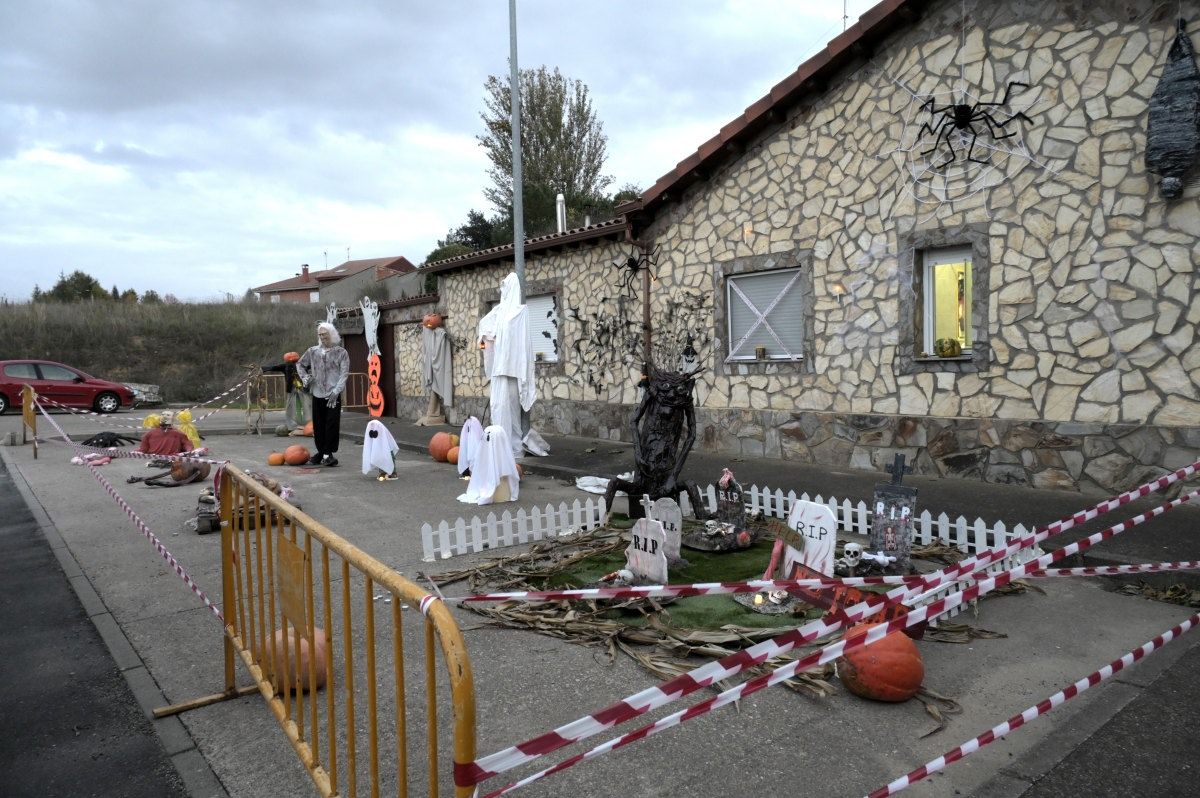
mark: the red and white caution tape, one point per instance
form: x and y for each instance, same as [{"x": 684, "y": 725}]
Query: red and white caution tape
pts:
[
  {"x": 141, "y": 525},
  {"x": 1112, "y": 570},
  {"x": 712, "y": 672},
  {"x": 109, "y": 421},
  {"x": 1041, "y": 708}
]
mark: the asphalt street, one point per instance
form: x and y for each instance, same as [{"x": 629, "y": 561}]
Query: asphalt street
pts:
[{"x": 100, "y": 635}]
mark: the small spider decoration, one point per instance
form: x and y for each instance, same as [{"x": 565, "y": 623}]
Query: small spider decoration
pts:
[
  {"x": 963, "y": 116},
  {"x": 631, "y": 266}
]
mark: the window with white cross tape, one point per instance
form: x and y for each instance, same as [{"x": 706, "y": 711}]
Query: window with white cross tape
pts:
[{"x": 766, "y": 320}]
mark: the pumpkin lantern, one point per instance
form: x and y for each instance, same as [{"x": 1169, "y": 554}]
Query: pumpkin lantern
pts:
[
  {"x": 295, "y": 455},
  {"x": 890, "y": 669},
  {"x": 431, "y": 320},
  {"x": 374, "y": 394}
]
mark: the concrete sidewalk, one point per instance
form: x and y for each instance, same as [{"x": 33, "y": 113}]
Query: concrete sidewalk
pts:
[{"x": 528, "y": 683}]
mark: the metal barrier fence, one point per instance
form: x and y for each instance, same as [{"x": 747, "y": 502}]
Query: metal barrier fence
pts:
[
  {"x": 283, "y": 570},
  {"x": 354, "y": 396}
]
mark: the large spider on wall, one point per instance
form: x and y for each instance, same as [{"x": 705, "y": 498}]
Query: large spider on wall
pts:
[
  {"x": 963, "y": 116},
  {"x": 629, "y": 268}
]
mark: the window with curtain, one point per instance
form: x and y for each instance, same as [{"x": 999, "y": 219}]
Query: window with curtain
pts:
[
  {"x": 946, "y": 291},
  {"x": 765, "y": 315}
]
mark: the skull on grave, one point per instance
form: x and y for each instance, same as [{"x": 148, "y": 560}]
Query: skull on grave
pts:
[{"x": 852, "y": 555}]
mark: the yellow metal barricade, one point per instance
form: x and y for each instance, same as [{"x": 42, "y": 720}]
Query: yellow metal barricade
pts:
[
  {"x": 281, "y": 569},
  {"x": 29, "y": 417}
]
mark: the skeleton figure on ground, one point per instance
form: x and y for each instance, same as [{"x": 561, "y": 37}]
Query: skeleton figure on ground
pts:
[
  {"x": 854, "y": 556},
  {"x": 256, "y": 398},
  {"x": 664, "y": 430}
]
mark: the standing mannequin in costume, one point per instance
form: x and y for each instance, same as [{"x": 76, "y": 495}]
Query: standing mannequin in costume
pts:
[
  {"x": 295, "y": 412},
  {"x": 508, "y": 360},
  {"x": 323, "y": 370}
]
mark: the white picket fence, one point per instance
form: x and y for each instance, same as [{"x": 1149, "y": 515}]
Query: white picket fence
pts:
[
  {"x": 971, "y": 537},
  {"x": 509, "y": 528}
]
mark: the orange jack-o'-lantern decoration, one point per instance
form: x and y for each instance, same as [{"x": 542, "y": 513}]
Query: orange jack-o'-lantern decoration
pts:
[
  {"x": 374, "y": 394},
  {"x": 431, "y": 320},
  {"x": 291, "y": 357}
]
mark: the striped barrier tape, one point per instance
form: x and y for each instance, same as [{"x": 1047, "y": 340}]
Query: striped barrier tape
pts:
[
  {"x": 1041, "y": 708},
  {"x": 1112, "y": 570},
  {"x": 142, "y": 527},
  {"x": 712, "y": 672},
  {"x": 194, "y": 456},
  {"x": 107, "y": 418},
  {"x": 833, "y": 651}
]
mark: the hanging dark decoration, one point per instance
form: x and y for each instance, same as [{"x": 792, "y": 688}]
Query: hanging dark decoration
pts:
[
  {"x": 1174, "y": 129},
  {"x": 967, "y": 119},
  {"x": 664, "y": 430},
  {"x": 632, "y": 266}
]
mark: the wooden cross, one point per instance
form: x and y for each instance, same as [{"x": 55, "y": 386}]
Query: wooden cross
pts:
[{"x": 898, "y": 469}]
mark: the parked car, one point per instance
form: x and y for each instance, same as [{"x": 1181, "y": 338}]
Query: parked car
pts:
[
  {"x": 145, "y": 394},
  {"x": 64, "y": 384}
]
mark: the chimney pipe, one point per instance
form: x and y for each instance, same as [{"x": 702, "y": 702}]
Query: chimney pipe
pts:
[
  {"x": 304, "y": 271},
  {"x": 560, "y": 212}
]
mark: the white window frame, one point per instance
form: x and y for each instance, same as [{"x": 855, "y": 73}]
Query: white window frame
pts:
[
  {"x": 314, "y": 296},
  {"x": 734, "y": 294},
  {"x": 931, "y": 258}
]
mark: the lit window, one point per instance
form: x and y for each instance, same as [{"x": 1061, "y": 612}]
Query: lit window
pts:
[
  {"x": 946, "y": 288},
  {"x": 766, "y": 320}
]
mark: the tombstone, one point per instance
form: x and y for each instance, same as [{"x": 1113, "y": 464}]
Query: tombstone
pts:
[
  {"x": 646, "y": 554},
  {"x": 668, "y": 513},
  {"x": 817, "y": 527},
  {"x": 892, "y": 509},
  {"x": 731, "y": 505}
]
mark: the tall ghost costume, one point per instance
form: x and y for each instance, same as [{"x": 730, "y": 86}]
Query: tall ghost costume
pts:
[
  {"x": 379, "y": 449},
  {"x": 508, "y": 360},
  {"x": 437, "y": 374},
  {"x": 493, "y": 471}
]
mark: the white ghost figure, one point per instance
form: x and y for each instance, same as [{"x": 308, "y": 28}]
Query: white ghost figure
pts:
[
  {"x": 470, "y": 441},
  {"x": 379, "y": 449},
  {"x": 508, "y": 360},
  {"x": 493, "y": 470}
]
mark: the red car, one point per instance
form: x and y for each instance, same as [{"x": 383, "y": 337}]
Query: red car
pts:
[{"x": 63, "y": 384}]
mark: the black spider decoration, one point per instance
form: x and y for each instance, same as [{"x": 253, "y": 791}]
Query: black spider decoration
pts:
[
  {"x": 631, "y": 266},
  {"x": 946, "y": 119}
]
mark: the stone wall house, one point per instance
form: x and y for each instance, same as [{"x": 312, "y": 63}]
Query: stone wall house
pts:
[{"x": 824, "y": 213}]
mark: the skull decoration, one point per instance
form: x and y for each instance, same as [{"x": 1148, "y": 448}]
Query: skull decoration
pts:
[{"x": 852, "y": 555}]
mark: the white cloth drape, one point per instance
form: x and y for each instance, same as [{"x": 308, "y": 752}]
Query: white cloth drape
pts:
[
  {"x": 436, "y": 368},
  {"x": 470, "y": 441},
  {"x": 493, "y": 463}
]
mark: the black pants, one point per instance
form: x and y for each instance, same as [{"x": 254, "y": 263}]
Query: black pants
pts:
[{"x": 327, "y": 426}]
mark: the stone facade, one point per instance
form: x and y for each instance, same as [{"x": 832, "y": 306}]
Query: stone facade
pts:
[{"x": 1083, "y": 375}]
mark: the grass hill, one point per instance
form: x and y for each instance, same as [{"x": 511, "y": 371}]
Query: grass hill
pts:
[{"x": 194, "y": 351}]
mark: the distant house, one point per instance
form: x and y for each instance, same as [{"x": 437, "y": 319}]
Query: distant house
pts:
[{"x": 383, "y": 278}]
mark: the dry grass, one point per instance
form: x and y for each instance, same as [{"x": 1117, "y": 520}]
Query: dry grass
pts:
[{"x": 193, "y": 351}]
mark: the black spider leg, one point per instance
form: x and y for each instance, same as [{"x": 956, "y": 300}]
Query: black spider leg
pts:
[
  {"x": 974, "y": 138},
  {"x": 936, "y": 131},
  {"x": 994, "y": 124},
  {"x": 1007, "y": 91},
  {"x": 947, "y": 130}
]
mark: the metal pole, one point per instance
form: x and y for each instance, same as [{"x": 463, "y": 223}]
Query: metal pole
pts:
[{"x": 518, "y": 200}]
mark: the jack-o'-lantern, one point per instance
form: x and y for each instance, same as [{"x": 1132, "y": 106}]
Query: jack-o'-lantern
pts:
[
  {"x": 374, "y": 394},
  {"x": 431, "y": 320}
]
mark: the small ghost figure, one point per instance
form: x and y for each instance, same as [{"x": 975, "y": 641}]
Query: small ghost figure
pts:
[{"x": 852, "y": 555}]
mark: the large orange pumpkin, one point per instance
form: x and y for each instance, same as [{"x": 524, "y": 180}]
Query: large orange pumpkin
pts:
[
  {"x": 890, "y": 669},
  {"x": 298, "y": 659},
  {"x": 295, "y": 455},
  {"x": 440, "y": 445},
  {"x": 432, "y": 320},
  {"x": 452, "y": 456},
  {"x": 275, "y": 458}
]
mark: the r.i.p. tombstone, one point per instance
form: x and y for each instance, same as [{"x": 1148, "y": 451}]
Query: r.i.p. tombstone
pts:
[
  {"x": 668, "y": 513},
  {"x": 646, "y": 554},
  {"x": 892, "y": 517},
  {"x": 731, "y": 502}
]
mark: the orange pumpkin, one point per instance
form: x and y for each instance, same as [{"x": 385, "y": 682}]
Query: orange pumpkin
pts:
[
  {"x": 374, "y": 395},
  {"x": 440, "y": 445},
  {"x": 291, "y": 357},
  {"x": 296, "y": 455},
  {"x": 452, "y": 456},
  {"x": 308, "y": 429},
  {"x": 432, "y": 320},
  {"x": 297, "y": 659},
  {"x": 275, "y": 458},
  {"x": 890, "y": 669}
]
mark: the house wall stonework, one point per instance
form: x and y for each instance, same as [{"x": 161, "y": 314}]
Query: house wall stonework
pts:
[{"x": 1085, "y": 374}]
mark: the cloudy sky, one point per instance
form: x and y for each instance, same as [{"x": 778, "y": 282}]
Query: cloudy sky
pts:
[{"x": 200, "y": 148}]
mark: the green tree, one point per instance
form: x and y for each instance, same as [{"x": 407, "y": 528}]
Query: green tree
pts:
[
  {"x": 129, "y": 295},
  {"x": 562, "y": 142},
  {"x": 74, "y": 287},
  {"x": 151, "y": 297},
  {"x": 116, "y": 295},
  {"x": 448, "y": 249}
]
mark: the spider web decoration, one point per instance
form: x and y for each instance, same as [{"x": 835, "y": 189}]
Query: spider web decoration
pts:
[{"x": 946, "y": 162}]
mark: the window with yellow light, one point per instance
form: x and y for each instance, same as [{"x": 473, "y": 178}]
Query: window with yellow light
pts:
[{"x": 946, "y": 288}]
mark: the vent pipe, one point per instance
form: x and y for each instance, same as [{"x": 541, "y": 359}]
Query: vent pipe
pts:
[{"x": 560, "y": 212}]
